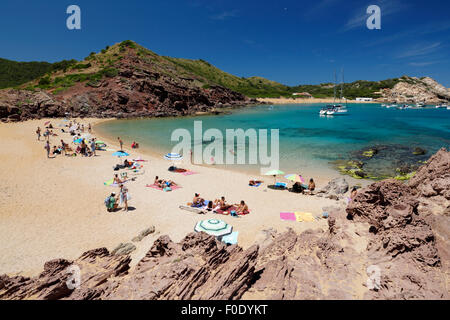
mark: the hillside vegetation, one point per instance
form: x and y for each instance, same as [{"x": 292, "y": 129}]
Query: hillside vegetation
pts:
[{"x": 60, "y": 76}]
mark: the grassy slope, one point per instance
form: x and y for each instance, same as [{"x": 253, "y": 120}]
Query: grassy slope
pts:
[{"x": 60, "y": 76}]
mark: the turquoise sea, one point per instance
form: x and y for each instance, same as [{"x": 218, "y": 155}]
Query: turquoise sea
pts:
[{"x": 307, "y": 140}]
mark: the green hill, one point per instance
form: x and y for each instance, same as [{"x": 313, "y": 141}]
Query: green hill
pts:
[
  {"x": 64, "y": 74},
  {"x": 14, "y": 73}
]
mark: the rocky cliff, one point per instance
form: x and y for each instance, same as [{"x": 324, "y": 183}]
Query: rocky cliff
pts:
[
  {"x": 390, "y": 242},
  {"x": 123, "y": 81}
]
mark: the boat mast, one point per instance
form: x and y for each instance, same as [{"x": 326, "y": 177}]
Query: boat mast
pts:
[{"x": 334, "y": 98}]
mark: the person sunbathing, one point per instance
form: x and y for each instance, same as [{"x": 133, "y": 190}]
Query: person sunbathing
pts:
[
  {"x": 117, "y": 179},
  {"x": 197, "y": 201},
  {"x": 222, "y": 204},
  {"x": 242, "y": 208},
  {"x": 311, "y": 186},
  {"x": 254, "y": 182}
]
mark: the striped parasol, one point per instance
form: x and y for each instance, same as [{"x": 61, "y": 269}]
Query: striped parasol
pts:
[
  {"x": 173, "y": 156},
  {"x": 295, "y": 178},
  {"x": 213, "y": 227}
]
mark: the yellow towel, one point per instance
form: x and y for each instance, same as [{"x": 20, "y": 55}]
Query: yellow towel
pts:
[{"x": 304, "y": 216}]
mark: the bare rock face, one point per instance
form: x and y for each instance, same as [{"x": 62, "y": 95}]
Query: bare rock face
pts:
[
  {"x": 412, "y": 90},
  {"x": 404, "y": 244}
]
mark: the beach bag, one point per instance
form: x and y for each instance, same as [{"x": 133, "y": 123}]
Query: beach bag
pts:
[
  {"x": 233, "y": 213},
  {"x": 107, "y": 201}
]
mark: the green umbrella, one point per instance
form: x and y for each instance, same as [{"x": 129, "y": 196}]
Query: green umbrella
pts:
[
  {"x": 213, "y": 227},
  {"x": 274, "y": 173}
]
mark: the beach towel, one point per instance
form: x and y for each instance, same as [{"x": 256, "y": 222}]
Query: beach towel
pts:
[
  {"x": 304, "y": 217},
  {"x": 188, "y": 173},
  {"x": 195, "y": 210},
  {"x": 231, "y": 238},
  {"x": 154, "y": 186},
  {"x": 256, "y": 185},
  {"x": 227, "y": 212},
  {"x": 288, "y": 216},
  {"x": 280, "y": 185},
  {"x": 109, "y": 182}
]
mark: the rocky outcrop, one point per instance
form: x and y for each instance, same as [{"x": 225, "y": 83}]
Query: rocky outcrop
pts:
[
  {"x": 391, "y": 242},
  {"x": 412, "y": 90},
  {"x": 139, "y": 89},
  {"x": 335, "y": 189}
]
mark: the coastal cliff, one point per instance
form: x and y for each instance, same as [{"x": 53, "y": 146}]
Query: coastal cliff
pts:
[
  {"x": 400, "y": 229},
  {"x": 123, "y": 81}
]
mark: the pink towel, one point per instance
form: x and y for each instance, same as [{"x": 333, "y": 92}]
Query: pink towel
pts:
[
  {"x": 188, "y": 173},
  {"x": 290, "y": 216},
  {"x": 158, "y": 188}
]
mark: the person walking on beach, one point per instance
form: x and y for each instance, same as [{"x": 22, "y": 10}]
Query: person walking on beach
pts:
[
  {"x": 90, "y": 128},
  {"x": 47, "y": 147},
  {"x": 121, "y": 143},
  {"x": 38, "y": 132}
]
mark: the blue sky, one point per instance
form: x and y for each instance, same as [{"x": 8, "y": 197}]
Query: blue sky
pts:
[{"x": 292, "y": 42}]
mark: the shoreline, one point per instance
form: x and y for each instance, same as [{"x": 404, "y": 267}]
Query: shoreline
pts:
[
  {"x": 53, "y": 208},
  {"x": 309, "y": 101}
]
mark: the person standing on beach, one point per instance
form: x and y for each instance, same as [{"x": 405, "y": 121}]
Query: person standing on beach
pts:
[
  {"x": 121, "y": 143},
  {"x": 90, "y": 128},
  {"x": 124, "y": 197},
  {"x": 93, "y": 147},
  {"x": 38, "y": 132},
  {"x": 47, "y": 147}
]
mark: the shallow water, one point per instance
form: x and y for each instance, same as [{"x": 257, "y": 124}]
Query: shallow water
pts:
[{"x": 306, "y": 139}]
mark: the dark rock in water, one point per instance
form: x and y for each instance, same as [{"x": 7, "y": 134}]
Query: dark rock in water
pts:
[
  {"x": 382, "y": 162},
  {"x": 419, "y": 151}
]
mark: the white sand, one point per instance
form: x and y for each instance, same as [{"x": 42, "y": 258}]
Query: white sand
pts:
[{"x": 53, "y": 208}]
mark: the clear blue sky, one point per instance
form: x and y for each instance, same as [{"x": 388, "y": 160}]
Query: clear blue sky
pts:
[{"x": 292, "y": 42}]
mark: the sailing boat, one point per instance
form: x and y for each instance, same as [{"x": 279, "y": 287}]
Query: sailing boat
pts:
[{"x": 338, "y": 109}]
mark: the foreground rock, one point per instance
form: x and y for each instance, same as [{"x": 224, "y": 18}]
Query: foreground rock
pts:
[{"x": 391, "y": 242}]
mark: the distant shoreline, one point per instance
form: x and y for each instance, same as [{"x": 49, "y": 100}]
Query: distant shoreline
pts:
[{"x": 306, "y": 101}]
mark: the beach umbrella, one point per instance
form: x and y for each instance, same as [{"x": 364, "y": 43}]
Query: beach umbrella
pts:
[
  {"x": 100, "y": 142},
  {"x": 274, "y": 173},
  {"x": 173, "y": 156},
  {"x": 295, "y": 178},
  {"x": 78, "y": 141},
  {"x": 213, "y": 227},
  {"x": 120, "y": 154},
  {"x": 46, "y": 123}
]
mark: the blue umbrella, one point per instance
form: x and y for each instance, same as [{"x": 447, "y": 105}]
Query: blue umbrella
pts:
[
  {"x": 120, "y": 154},
  {"x": 78, "y": 141},
  {"x": 173, "y": 156}
]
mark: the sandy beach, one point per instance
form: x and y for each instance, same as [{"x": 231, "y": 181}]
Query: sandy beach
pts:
[
  {"x": 53, "y": 208},
  {"x": 306, "y": 101}
]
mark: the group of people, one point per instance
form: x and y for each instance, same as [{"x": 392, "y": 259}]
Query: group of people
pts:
[{"x": 220, "y": 204}]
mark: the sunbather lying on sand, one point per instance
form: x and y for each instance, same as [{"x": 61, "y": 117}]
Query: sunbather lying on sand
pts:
[{"x": 254, "y": 182}]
